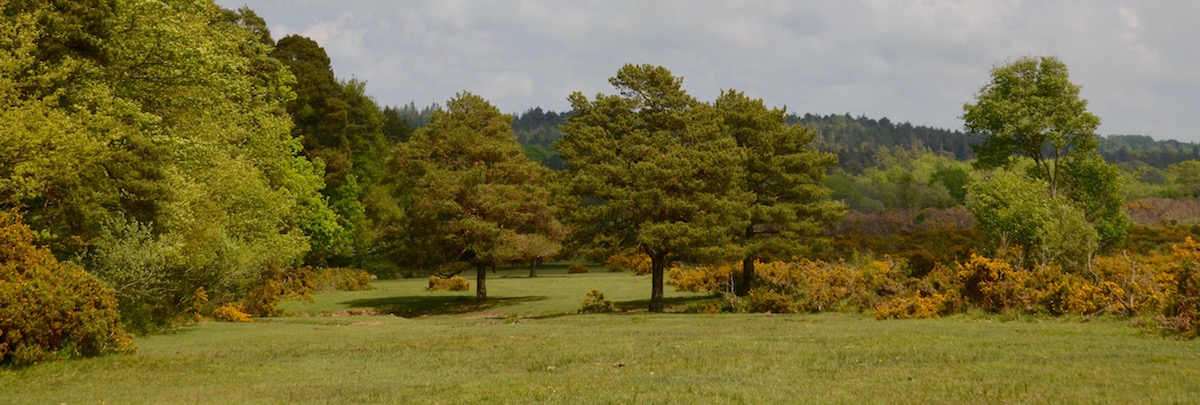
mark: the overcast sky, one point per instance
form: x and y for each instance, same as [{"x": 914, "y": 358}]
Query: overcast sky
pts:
[{"x": 916, "y": 61}]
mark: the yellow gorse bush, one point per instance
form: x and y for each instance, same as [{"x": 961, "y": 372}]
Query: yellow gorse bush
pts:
[
  {"x": 630, "y": 260},
  {"x": 452, "y": 283}
]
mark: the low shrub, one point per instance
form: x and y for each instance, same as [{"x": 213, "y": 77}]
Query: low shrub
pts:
[
  {"x": 994, "y": 284},
  {"x": 594, "y": 302},
  {"x": 577, "y": 269},
  {"x": 706, "y": 278},
  {"x": 1179, "y": 313},
  {"x": 452, "y": 283},
  {"x": 767, "y": 301},
  {"x": 629, "y": 260},
  {"x": 51, "y": 309},
  {"x": 341, "y": 279},
  {"x": 915, "y": 306},
  {"x": 229, "y": 312},
  {"x": 275, "y": 284}
]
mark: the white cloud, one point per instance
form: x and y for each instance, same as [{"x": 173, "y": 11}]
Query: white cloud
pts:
[{"x": 910, "y": 61}]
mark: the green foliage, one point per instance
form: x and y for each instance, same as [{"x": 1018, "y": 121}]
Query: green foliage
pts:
[
  {"x": 1188, "y": 177},
  {"x": 168, "y": 131},
  {"x": 784, "y": 174},
  {"x": 1097, "y": 188},
  {"x": 902, "y": 180},
  {"x": 147, "y": 273},
  {"x": 1031, "y": 109},
  {"x": 954, "y": 179},
  {"x": 858, "y": 140},
  {"x": 1013, "y": 210},
  {"x": 51, "y": 309},
  {"x": 468, "y": 196},
  {"x": 655, "y": 169},
  {"x": 1144, "y": 150},
  {"x": 595, "y": 303}
]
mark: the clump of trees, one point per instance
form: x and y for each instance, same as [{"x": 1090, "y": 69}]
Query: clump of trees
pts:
[
  {"x": 1066, "y": 201},
  {"x": 678, "y": 179}
]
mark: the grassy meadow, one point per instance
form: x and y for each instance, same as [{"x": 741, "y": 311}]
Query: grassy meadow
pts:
[{"x": 528, "y": 345}]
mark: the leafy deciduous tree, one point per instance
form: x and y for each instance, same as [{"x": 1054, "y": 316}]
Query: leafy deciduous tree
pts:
[{"x": 1030, "y": 108}]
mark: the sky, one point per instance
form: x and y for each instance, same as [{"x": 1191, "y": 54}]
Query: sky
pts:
[{"x": 1138, "y": 62}]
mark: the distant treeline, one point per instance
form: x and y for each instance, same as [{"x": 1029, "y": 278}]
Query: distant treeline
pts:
[
  {"x": 856, "y": 140},
  {"x": 1142, "y": 148}
]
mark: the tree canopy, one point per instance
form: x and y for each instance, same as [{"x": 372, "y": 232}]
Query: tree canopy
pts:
[
  {"x": 1030, "y": 108},
  {"x": 785, "y": 176},
  {"x": 172, "y": 124},
  {"x": 467, "y": 195},
  {"x": 655, "y": 170}
]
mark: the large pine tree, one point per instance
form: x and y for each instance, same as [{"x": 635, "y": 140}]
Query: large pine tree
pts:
[
  {"x": 468, "y": 196},
  {"x": 655, "y": 170}
]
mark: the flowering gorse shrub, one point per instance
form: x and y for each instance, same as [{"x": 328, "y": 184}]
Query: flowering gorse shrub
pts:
[
  {"x": 230, "y": 312},
  {"x": 629, "y": 260},
  {"x": 51, "y": 309},
  {"x": 452, "y": 283},
  {"x": 594, "y": 302}
]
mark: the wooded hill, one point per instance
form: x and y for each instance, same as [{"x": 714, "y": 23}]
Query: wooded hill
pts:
[{"x": 856, "y": 140}]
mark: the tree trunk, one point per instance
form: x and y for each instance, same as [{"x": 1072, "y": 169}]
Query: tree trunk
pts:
[
  {"x": 533, "y": 265},
  {"x": 480, "y": 282},
  {"x": 657, "y": 263},
  {"x": 742, "y": 288}
]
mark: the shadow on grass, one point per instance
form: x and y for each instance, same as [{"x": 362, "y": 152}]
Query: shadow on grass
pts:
[
  {"x": 416, "y": 306},
  {"x": 674, "y": 305},
  {"x": 679, "y": 303}
]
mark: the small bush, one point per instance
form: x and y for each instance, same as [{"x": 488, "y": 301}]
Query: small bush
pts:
[
  {"x": 707, "y": 278},
  {"x": 577, "y": 269},
  {"x": 452, "y": 283},
  {"x": 760, "y": 300},
  {"x": 231, "y": 313},
  {"x": 51, "y": 309},
  {"x": 1180, "y": 311},
  {"x": 629, "y": 260},
  {"x": 341, "y": 279},
  {"x": 277, "y": 283},
  {"x": 915, "y": 306},
  {"x": 994, "y": 285},
  {"x": 595, "y": 303}
]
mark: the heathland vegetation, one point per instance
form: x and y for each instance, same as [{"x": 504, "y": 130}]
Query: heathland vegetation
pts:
[{"x": 165, "y": 165}]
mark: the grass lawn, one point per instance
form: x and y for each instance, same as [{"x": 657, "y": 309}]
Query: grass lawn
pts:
[{"x": 528, "y": 346}]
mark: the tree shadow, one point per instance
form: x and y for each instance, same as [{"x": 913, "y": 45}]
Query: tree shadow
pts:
[
  {"x": 674, "y": 305},
  {"x": 678, "y": 303},
  {"x": 417, "y": 306}
]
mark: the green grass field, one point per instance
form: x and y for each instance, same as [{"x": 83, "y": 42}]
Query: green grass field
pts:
[{"x": 528, "y": 345}]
